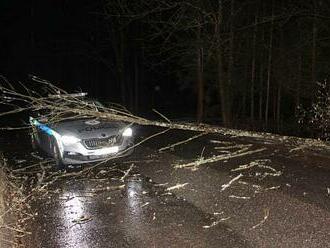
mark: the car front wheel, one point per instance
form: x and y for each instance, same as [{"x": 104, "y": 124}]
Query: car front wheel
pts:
[
  {"x": 58, "y": 158},
  {"x": 34, "y": 142}
]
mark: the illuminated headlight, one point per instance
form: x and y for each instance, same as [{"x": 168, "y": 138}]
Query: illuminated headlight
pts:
[
  {"x": 128, "y": 132},
  {"x": 69, "y": 140}
]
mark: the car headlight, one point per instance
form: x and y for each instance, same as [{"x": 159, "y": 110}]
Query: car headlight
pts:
[
  {"x": 69, "y": 140},
  {"x": 128, "y": 132}
]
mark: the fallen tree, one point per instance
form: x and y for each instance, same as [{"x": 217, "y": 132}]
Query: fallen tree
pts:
[{"x": 59, "y": 103}]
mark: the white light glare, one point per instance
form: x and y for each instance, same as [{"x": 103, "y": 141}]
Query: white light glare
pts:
[
  {"x": 128, "y": 132},
  {"x": 69, "y": 140}
]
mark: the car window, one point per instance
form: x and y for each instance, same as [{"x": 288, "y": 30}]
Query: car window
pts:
[{"x": 98, "y": 105}]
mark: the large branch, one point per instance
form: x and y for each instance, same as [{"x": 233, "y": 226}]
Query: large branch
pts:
[{"x": 59, "y": 103}]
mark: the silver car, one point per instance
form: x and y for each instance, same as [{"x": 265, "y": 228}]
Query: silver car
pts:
[{"x": 81, "y": 140}]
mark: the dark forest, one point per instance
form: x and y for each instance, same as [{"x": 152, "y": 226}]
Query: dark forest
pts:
[{"x": 247, "y": 64}]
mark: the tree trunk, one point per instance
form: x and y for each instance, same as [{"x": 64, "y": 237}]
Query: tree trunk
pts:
[
  {"x": 230, "y": 82},
  {"x": 222, "y": 88},
  {"x": 244, "y": 103},
  {"x": 261, "y": 78},
  {"x": 121, "y": 66},
  {"x": 299, "y": 81},
  {"x": 269, "y": 69},
  {"x": 274, "y": 105},
  {"x": 200, "y": 81},
  {"x": 136, "y": 82},
  {"x": 261, "y": 68},
  {"x": 314, "y": 52},
  {"x": 278, "y": 105},
  {"x": 221, "y": 77},
  {"x": 281, "y": 77},
  {"x": 224, "y": 83},
  {"x": 253, "y": 69}
]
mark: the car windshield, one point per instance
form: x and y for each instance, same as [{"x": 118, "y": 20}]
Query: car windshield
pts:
[
  {"x": 45, "y": 115},
  {"x": 98, "y": 105}
]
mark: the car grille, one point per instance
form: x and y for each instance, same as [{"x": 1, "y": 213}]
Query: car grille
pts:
[{"x": 102, "y": 142}]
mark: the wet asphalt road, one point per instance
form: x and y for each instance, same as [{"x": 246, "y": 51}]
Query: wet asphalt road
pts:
[{"x": 261, "y": 192}]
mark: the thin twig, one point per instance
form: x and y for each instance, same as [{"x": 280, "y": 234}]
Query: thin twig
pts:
[
  {"x": 218, "y": 158},
  {"x": 266, "y": 211},
  {"x": 182, "y": 142},
  {"x": 127, "y": 173},
  {"x": 225, "y": 186},
  {"x": 178, "y": 186},
  {"x": 163, "y": 116}
]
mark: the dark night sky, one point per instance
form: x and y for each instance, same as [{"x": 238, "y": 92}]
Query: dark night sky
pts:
[
  {"x": 37, "y": 32},
  {"x": 52, "y": 39}
]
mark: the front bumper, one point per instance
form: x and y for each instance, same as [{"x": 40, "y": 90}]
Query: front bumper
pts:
[{"x": 79, "y": 154}]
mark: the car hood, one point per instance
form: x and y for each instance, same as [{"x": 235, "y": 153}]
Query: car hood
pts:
[{"x": 89, "y": 128}]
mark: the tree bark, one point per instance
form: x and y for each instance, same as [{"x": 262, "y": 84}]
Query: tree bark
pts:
[
  {"x": 121, "y": 67},
  {"x": 253, "y": 69},
  {"x": 269, "y": 69},
  {"x": 314, "y": 48},
  {"x": 224, "y": 82},
  {"x": 299, "y": 81},
  {"x": 220, "y": 71},
  {"x": 230, "y": 82},
  {"x": 278, "y": 110},
  {"x": 136, "y": 82},
  {"x": 200, "y": 80},
  {"x": 261, "y": 70},
  {"x": 261, "y": 78},
  {"x": 222, "y": 87},
  {"x": 281, "y": 77}
]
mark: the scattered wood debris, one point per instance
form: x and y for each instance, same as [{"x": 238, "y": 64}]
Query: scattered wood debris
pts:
[
  {"x": 218, "y": 213},
  {"x": 182, "y": 142},
  {"x": 298, "y": 148},
  {"x": 272, "y": 188},
  {"x": 231, "y": 147},
  {"x": 262, "y": 164},
  {"x": 225, "y": 186},
  {"x": 144, "y": 161},
  {"x": 266, "y": 215},
  {"x": 145, "y": 204},
  {"x": 66, "y": 198},
  {"x": 218, "y": 158},
  {"x": 33, "y": 154},
  {"x": 274, "y": 173},
  {"x": 14, "y": 229},
  {"x": 127, "y": 173},
  {"x": 245, "y": 167},
  {"x": 221, "y": 142},
  {"x": 82, "y": 219},
  {"x": 240, "y": 197},
  {"x": 214, "y": 223},
  {"x": 107, "y": 188},
  {"x": 178, "y": 186},
  {"x": 160, "y": 184}
]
